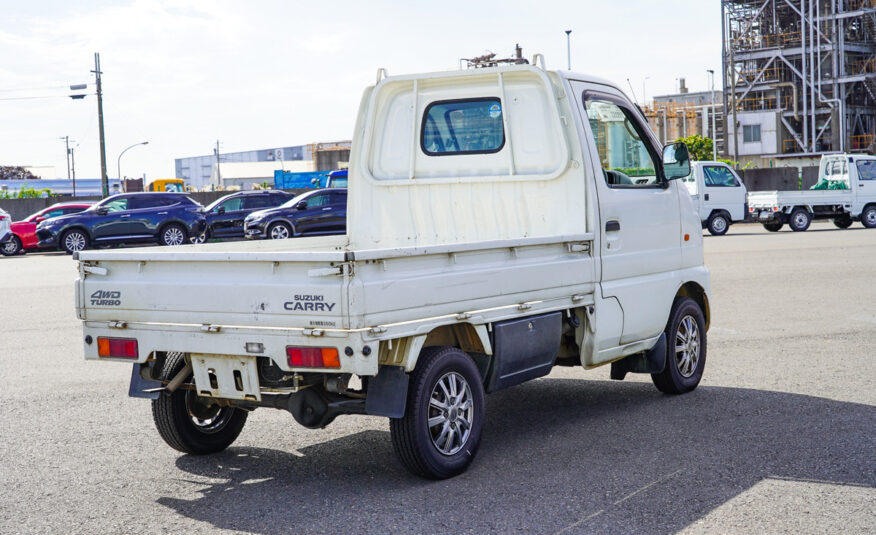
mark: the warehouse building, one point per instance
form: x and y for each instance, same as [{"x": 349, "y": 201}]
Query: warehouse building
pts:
[{"x": 203, "y": 172}]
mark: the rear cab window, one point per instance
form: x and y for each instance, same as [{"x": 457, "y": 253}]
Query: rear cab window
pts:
[{"x": 465, "y": 126}]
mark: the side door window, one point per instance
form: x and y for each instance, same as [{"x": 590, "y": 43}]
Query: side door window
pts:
[
  {"x": 718, "y": 176},
  {"x": 318, "y": 200},
  {"x": 257, "y": 202},
  {"x": 116, "y": 205},
  {"x": 231, "y": 205},
  {"x": 627, "y": 160}
]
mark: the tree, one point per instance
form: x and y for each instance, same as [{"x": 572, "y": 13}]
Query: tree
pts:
[{"x": 699, "y": 147}]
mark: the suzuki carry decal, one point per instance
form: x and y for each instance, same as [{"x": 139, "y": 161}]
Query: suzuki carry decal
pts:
[{"x": 312, "y": 303}]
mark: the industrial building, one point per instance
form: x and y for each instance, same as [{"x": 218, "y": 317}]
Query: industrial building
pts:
[
  {"x": 684, "y": 114},
  {"x": 799, "y": 79},
  {"x": 255, "y": 166}
]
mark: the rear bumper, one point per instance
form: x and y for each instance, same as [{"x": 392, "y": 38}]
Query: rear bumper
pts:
[{"x": 232, "y": 342}]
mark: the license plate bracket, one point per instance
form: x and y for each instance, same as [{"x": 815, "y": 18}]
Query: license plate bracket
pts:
[{"x": 226, "y": 376}]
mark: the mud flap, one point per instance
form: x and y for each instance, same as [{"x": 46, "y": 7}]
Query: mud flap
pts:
[
  {"x": 387, "y": 392},
  {"x": 651, "y": 361},
  {"x": 139, "y": 384}
]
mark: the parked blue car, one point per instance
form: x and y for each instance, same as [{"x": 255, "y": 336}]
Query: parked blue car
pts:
[
  {"x": 225, "y": 215},
  {"x": 164, "y": 218},
  {"x": 315, "y": 213}
]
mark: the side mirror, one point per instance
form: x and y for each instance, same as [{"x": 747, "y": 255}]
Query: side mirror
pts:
[
  {"x": 102, "y": 210},
  {"x": 221, "y": 210},
  {"x": 676, "y": 161},
  {"x": 301, "y": 206},
  {"x": 39, "y": 219}
]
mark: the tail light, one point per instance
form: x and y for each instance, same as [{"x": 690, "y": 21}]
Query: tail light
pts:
[
  {"x": 121, "y": 348},
  {"x": 750, "y": 209},
  {"x": 775, "y": 208},
  {"x": 313, "y": 357}
]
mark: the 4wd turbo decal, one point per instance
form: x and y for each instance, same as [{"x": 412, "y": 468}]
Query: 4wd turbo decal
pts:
[
  {"x": 312, "y": 303},
  {"x": 106, "y": 298}
]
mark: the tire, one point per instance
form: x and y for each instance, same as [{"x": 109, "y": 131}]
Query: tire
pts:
[
  {"x": 279, "y": 231},
  {"x": 718, "y": 224},
  {"x": 11, "y": 247},
  {"x": 686, "y": 348},
  {"x": 173, "y": 234},
  {"x": 200, "y": 239},
  {"x": 74, "y": 240},
  {"x": 868, "y": 216},
  {"x": 443, "y": 376},
  {"x": 844, "y": 221},
  {"x": 773, "y": 227},
  {"x": 800, "y": 220},
  {"x": 187, "y": 424}
]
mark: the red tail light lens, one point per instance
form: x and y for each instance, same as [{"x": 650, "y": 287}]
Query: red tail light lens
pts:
[
  {"x": 313, "y": 357},
  {"x": 120, "y": 348}
]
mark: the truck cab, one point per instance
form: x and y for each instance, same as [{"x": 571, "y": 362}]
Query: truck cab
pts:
[{"x": 718, "y": 195}]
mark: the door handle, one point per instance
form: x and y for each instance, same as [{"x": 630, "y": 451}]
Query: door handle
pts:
[
  {"x": 162, "y": 213},
  {"x": 329, "y": 208},
  {"x": 612, "y": 226},
  {"x": 706, "y": 196},
  {"x": 125, "y": 216}
]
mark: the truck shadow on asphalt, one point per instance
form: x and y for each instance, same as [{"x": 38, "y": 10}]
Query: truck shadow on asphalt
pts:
[{"x": 556, "y": 455}]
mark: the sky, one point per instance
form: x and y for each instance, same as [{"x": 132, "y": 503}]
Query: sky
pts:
[{"x": 183, "y": 74}]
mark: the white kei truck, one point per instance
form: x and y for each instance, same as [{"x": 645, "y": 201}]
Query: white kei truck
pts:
[
  {"x": 855, "y": 200},
  {"x": 491, "y": 236},
  {"x": 718, "y": 195}
]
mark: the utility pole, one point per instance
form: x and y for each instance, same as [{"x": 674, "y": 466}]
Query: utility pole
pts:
[
  {"x": 714, "y": 124},
  {"x": 218, "y": 172},
  {"x": 569, "y": 49},
  {"x": 67, "y": 145},
  {"x": 104, "y": 183},
  {"x": 73, "y": 168}
]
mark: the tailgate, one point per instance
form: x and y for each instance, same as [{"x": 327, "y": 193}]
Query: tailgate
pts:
[{"x": 297, "y": 289}]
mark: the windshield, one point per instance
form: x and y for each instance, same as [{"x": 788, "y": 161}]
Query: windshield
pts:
[{"x": 340, "y": 182}]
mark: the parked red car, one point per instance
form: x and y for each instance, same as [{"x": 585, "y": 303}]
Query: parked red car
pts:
[{"x": 24, "y": 232}]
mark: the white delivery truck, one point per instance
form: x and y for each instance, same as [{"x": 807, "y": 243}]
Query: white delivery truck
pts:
[
  {"x": 851, "y": 179},
  {"x": 492, "y": 234},
  {"x": 718, "y": 195}
]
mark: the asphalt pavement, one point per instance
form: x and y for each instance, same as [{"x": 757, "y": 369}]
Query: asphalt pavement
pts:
[{"x": 780, "y": 436}]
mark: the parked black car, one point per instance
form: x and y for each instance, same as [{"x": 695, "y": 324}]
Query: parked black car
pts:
[
  {"x": 225, "y": 215},
  {"x": 317, "y": 212},
  {"x": 164, "y": 218}
]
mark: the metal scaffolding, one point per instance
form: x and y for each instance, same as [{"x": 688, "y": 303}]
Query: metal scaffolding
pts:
[{"x": 812, "y": 62}]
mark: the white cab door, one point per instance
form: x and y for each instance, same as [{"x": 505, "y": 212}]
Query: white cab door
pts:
[
  {"x": 640, "y": 225},
  {"x": 866, "y": 188},
  {"x": 722, "y": 190}
]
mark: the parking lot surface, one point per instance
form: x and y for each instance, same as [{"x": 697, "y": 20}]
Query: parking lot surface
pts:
[{"x": 779, "y": 437}]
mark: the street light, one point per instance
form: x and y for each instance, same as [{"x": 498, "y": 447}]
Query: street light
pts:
[
  {"x": 119, "y": 161},
  {"x": 569, "y": 49},
  {"x": 714, "y": 127}
]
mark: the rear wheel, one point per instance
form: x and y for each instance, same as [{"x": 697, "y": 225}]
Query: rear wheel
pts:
[
  {"x": 74, "y": 240},
  {"x": 799, "y": 220},
  {"x": 686, "y": 351},
  {"x": 11, "y": 247},
  {"x": 190, "y": 423},
  {"x": 439, "y": 434},
  {"x": 773, "y": 227},
  {"x": 173, "y": 234},
  {"x": 718, "y": 224},
  {"x": 868, "y": 217},
  {"x": 279, "y": 231},
  {"x": 843, "y": 221}
]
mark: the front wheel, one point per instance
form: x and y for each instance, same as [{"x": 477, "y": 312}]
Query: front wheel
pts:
[
  {"x": 686, "y": 348},
  {"x": 73, "y": 241},
  {"x": 773, "y": 227},
  {"x": 718, "y": 224},
  {"x": 843, "y": 221},
  {"x": 439, "y": 434},
  {"x": 11, "y": 247},
  {"x": 173, "y": 235},
  {"x": 190, "y": 423},
  {"x": 868, "y": 217},
  {"x": 279, "y": 231},
  {"x": 799, "y": 220}
]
